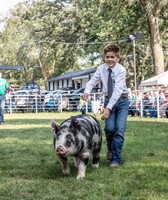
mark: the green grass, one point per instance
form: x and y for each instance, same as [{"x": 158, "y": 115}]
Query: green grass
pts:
[{"x": 30, "y": 170}]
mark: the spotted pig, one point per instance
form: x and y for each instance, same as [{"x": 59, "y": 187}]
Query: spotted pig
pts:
[{"x": 79, "y": 136}]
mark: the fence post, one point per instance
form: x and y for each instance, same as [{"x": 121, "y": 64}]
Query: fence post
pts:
[
  {"x": 10, "y": 104},
  {"x": 141, "y": 105},
  {"x": 60, "y": 103},
  {"x": 157, "y": 104},
  {"x": 36, "y": 103},
  {"x": 86, "y": 106}
]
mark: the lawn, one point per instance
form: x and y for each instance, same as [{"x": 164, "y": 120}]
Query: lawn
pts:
[{"x": 30, "y": 170}]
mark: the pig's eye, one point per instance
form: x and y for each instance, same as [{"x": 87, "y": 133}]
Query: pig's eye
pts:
[
  {"x": 57, "y": 136},
  {"x": 68, "y": 143},
  {"x": 69, "y": 140}
]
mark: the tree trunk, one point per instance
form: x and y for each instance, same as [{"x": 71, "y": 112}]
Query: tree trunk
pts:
[
  {"x": 44, "y": 75},
  {"x": 153, "y": 13},
  {"x": 45, "y": 78},
  {"x": 156, "y": 46}
]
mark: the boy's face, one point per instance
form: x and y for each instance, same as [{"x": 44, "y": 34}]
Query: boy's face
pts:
[{"x": 111, "y": 59}]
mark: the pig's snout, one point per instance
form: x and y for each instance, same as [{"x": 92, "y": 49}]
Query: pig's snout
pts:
[{"x": 61, "y": 151}]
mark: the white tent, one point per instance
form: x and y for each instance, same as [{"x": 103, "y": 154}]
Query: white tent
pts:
[{"x": 161, "y": 79}]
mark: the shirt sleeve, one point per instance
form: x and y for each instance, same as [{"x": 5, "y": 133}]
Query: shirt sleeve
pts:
[
  {"x": 118, "y": 88},
  {"x": 6, "y": 84},
  {"x": 93, "y": 81}
]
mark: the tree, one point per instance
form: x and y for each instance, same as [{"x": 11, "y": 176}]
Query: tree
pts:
[
  {"x": 46, "y": 31},
  {"x": 57, "y": 35},
  {"x": 153, "y": 11},
  {"x": 111, "y": 20}
]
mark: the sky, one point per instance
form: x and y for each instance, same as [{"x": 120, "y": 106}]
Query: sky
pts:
[{"x": 5, "y": 5}]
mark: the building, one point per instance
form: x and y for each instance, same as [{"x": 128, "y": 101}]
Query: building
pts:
[{"x": 71, "y": 80}]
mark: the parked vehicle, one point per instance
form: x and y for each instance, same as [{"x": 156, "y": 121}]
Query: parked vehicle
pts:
[
  {"x": 21, "y": 92},
  {"x": 75, "y": 97},
  {"x": 55, "y": 93},
  {"x": 32, "y": 86}
]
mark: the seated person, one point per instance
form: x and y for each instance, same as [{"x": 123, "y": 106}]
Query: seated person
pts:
[
  {"x": 64, "y": 104},
  {"x": 21, "y": 104},
  {"x": 162, "y": 104},
  {"x": 147, "y": 104},
  {"x": 52, "y": 104}
]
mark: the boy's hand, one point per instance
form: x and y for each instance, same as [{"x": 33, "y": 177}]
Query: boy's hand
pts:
[
  {"x": 106, "y": 113},
  {"x": 85, "y": 96}
]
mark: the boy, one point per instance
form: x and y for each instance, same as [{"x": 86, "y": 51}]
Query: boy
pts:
[{"x": 115, "y": 111}]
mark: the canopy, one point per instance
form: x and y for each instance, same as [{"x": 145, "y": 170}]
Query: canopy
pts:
[
  {"x": 13, "y": 67},
  {"x": 161, "y": 79}
]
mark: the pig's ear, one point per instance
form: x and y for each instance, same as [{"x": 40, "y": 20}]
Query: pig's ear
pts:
[
  {"x": 55, "y": 127},
  {"x": 74, "y": 125}
]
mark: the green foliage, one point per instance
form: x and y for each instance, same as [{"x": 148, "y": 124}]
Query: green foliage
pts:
[
  {"x": 56, "y": 35},
  {"x": 30, "y": 170}
]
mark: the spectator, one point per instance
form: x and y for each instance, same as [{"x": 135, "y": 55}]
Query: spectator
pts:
[
  {"x": 21, "y": 104},
  {"x": 3, "y": 88},
  {"x": 146, "y": 104},
  {"x": 152, "y": 109},
  {"x": 162, "y": 104},
  {"x": 42, "y": 103},
  {"x": 52, "y": 104},
  {"x": 132, "y": 104},
  {"x": 64, "y": 104},
  {"x": 8, "y": 101},
  {"x": 166, "y": 96},
  {"x": 32, "y": 101},
  {"x": 10, "y": 89},
  {"x": 82, "y": 106},
  {"x": 153, "y": 100}
]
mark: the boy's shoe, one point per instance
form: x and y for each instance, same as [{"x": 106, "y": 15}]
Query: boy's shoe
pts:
[
  {"x": 108, "y": 155},
  {"x": 115, "y": 165},
  {"x": 1, "y": 123}
]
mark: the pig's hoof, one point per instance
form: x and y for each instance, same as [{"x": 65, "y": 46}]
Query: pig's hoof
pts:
[
  {"x": 95, "y": 165},
  {"x": 66, "y": 172},
  {"x": 79, "y": 177},
  {"x": 76, "y": 165}
]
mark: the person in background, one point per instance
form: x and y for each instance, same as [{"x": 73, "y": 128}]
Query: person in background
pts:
[
  {"x": 146, "y": 104},
  {"x": 3, "y": 88},
  {"x": 8, "y": 98},
  {"x": 162, "y": 104},
  {"x": 132, "y": 104},
  {"x": 115, "y": 111},
  {"x": 21, "y": 104},
  {"x": 53, "y": 103},
  {"x": 82, "y": 105},
  {"x": 64, "y": 105},
  {"x": 166, "y": 97},
  {"x": 10, "y": 89}
]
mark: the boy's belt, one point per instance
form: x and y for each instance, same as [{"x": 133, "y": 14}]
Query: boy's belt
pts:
[{"x": 123, "y": 96}]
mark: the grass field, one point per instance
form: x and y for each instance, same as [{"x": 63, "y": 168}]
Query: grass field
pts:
[{"x": 30, "y": 170}]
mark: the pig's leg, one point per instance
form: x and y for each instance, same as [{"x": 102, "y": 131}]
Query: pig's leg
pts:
[
  {"x": 82, "y": 165},
  {"x": 96, "y": 158},
  {"x": 64, "y": 164},
  {"x": 76, "y": 161}
]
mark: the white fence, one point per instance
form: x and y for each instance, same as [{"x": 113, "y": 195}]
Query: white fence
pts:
[{"x": 143, "y": 105}]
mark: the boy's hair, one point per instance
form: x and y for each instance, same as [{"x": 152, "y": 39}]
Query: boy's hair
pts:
[{"x": 112, "y": 47}]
